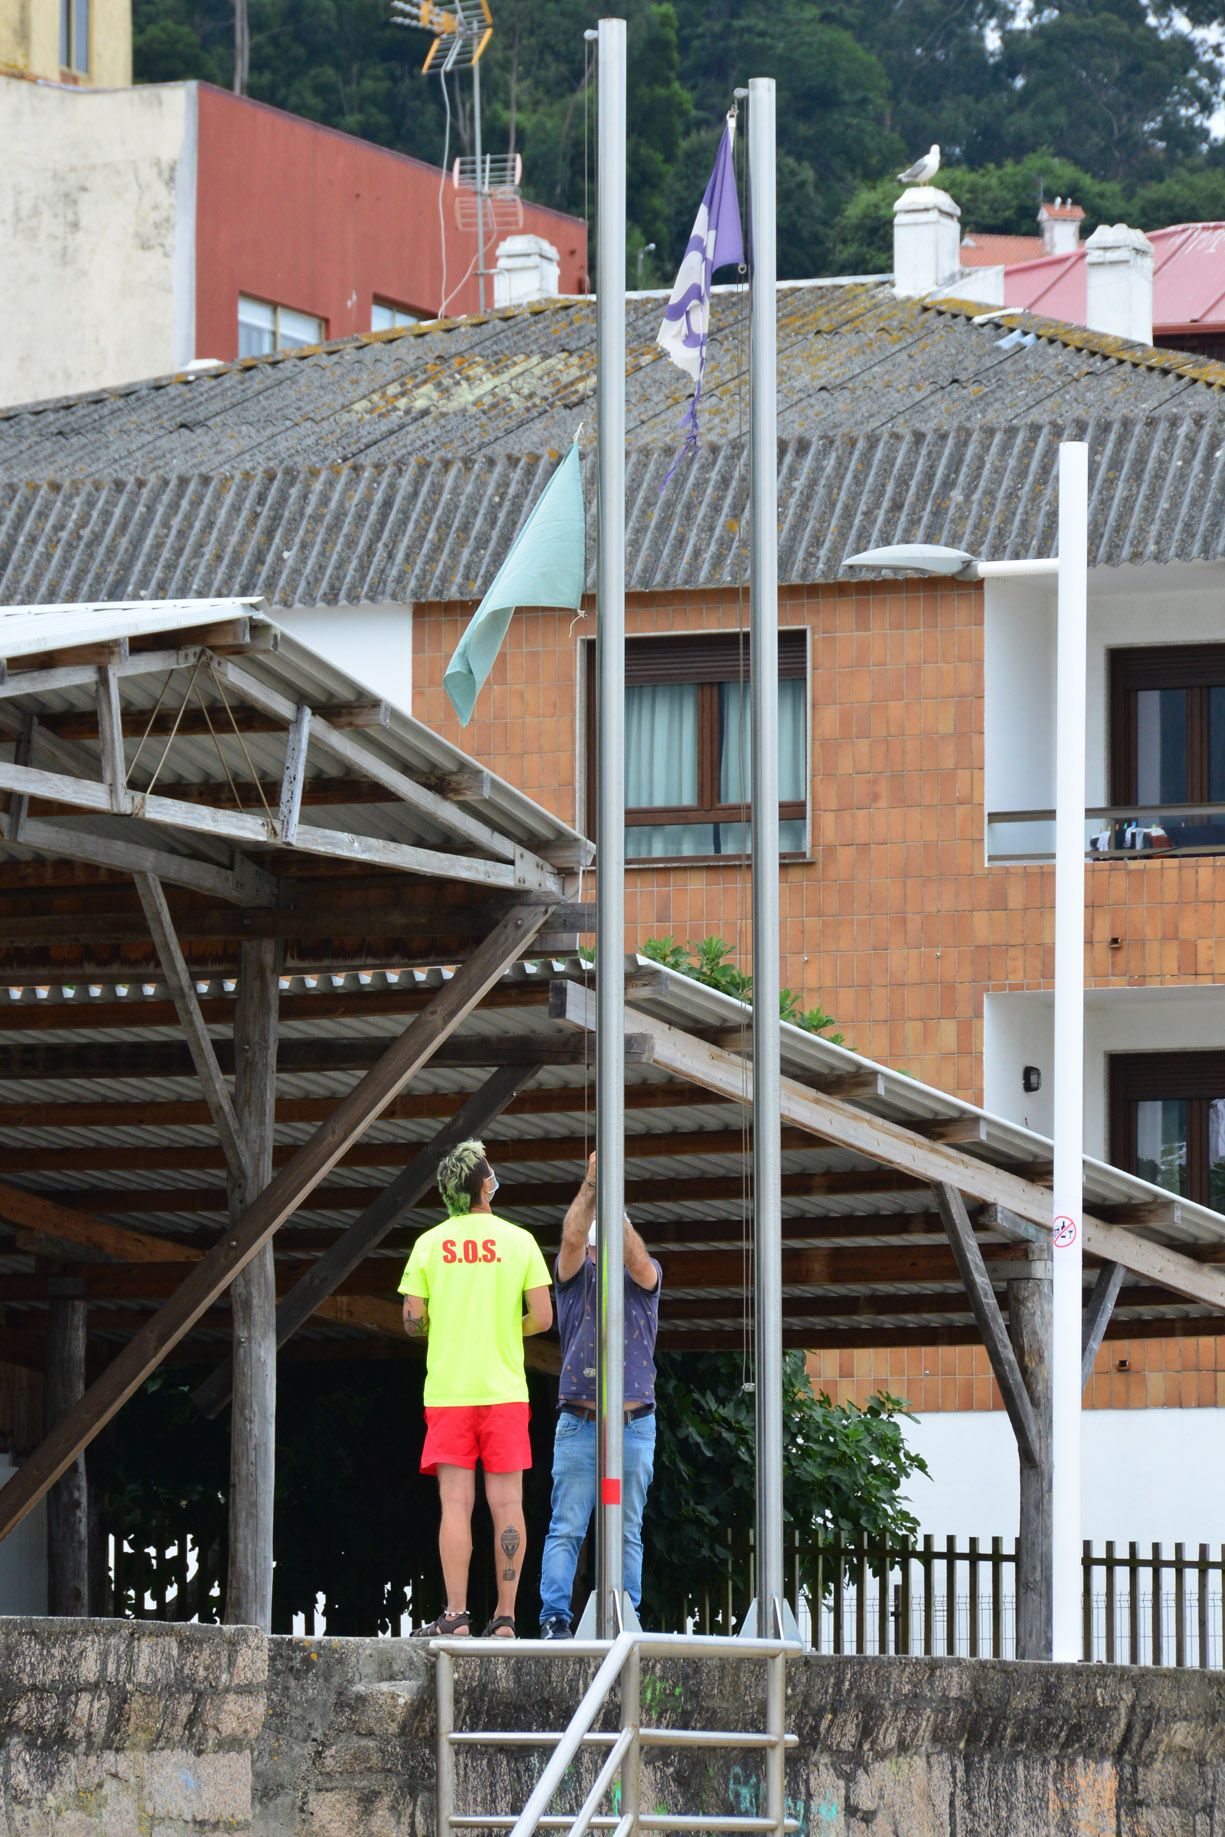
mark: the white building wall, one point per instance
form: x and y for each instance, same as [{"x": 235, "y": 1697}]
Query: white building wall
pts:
[
  {"x": 1127, "y": 607},
  {"x": 1148, "y": 1475},
  {"x": 373, "y": 643},
  {"x": 97, "y": 227}
]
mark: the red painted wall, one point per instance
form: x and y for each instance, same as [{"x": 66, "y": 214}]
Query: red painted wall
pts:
[{"x": 301, "y": 215}]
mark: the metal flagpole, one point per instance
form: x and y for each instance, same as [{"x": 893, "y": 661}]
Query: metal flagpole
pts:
[
  {"x": 1068, "y": 1093},
  {"x": 480, "y": 181},
  {"x": 610, "y": 820},
  {"x": 763, "y": 601}
]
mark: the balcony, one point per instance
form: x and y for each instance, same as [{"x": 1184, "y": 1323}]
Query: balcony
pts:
[{"x": 1113, "y": 832}]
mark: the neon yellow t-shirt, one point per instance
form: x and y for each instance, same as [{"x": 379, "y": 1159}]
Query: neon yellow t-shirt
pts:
[{"x": 472, "y": 1272}]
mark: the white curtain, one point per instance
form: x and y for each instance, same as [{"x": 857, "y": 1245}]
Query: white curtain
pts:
[
  {"x": 736, "y": 764},
  {"x": 661, "y": 745}
]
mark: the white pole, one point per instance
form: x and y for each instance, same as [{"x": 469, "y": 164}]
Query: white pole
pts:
[
  {"x": 480, "y": 181},
  {"x": 610, "y": 821},
  {"x": 763, "y": 603},
  {"x": 1068, "y": 1089}
]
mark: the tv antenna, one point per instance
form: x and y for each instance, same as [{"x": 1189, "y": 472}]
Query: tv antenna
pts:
[{"x": 487, "y": 188}]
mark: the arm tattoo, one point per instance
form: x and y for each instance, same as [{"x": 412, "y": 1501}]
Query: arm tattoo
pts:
[
  {"x": 416, "y": 1327},
  {"x": 509, "y": 1541}
]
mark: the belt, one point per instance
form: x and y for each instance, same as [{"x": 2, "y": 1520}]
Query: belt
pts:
[{"x": 588, "y": 1411}]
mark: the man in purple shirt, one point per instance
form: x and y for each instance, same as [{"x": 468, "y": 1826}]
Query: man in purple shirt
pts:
[{"x": 574, "y": 1445}]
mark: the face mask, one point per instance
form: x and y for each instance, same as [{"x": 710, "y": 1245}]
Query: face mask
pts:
[{"x": 493, "y": 1186}]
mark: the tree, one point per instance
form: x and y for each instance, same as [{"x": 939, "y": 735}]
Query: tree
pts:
[
  {"x": 1002, "y": 199},
  {"x": 844, "y": 1471},
  {"x": 1110, "y": 84}
]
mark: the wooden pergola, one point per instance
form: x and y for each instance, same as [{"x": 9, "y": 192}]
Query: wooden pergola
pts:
[
  {"x": 191, "y": 793},
  {"x": 232, "y": 1062}
]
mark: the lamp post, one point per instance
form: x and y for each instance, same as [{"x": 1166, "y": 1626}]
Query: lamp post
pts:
[
  {"x": 1070, "y": 571},
  {"x": 647, "y": 249}
]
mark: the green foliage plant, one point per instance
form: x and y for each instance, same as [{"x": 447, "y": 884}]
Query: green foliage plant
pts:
[
  {"x": 845, "y": 1469},
  {"x": 709, "y": 961}
]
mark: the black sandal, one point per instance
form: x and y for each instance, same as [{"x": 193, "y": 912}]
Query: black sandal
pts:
[
  {"x": 445, "y": 1627},
  {"x": 502, "y": 1620}
]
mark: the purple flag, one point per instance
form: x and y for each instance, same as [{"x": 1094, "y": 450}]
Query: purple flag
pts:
[{"x": 714, "y": 242}]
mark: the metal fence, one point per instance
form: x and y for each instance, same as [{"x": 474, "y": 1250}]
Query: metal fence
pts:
[{"x": 1153, "y": 1606}]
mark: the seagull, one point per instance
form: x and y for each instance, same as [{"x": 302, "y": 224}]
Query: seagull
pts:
[{"x": 923, "y": 169}]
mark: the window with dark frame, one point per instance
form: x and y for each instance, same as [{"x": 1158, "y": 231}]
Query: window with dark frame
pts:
[
  {"x": 1167, "y": 1121},
  {"x": 687, "y": 745},
  {"x": 1167, "y": 742}
]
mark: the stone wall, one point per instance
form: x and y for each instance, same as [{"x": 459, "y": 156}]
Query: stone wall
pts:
[
  {"x": 887, "y": 1747},
  {"x": 110, "y": 1728}
]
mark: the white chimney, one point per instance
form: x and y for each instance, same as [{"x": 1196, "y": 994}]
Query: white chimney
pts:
[
  {"x": 926, "y": 241},
  {"x": 528, "y": 268},
  {"x": 1119, "y": 283},
  {"x": 1060, "y": 226}
]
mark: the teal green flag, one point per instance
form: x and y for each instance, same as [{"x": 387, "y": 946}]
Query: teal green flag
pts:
[{"x": 546, "y": 567}]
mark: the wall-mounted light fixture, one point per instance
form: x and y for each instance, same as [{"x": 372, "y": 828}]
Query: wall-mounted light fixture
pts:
[{"x": 1031, "y": 1079}]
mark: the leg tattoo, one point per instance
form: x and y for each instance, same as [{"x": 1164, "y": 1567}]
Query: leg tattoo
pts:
[{"x": 510, "y": 1545}]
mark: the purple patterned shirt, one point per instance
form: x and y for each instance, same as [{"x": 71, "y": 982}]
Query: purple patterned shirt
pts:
[{"x": 576, "y": 1323}]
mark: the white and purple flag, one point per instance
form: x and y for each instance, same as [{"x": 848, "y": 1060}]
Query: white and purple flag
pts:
[{"x": 714, "y": 242}]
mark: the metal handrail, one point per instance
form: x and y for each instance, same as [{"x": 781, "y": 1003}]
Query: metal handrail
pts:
[{"x": 621, "y": 1661}]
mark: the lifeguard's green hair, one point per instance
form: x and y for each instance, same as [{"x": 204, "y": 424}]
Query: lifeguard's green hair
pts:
[{"x": 457, "y": 1176}]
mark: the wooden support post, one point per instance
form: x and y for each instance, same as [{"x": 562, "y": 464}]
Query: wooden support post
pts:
[
  {"x": 248, "y": 1599},
  {"x": 329, "y": 1270},
  {"x": 68, "y": 1501},
  {"x": 209, "y": 1279},
  {"x": 1098, "y": 1309},
  {"x": 990, "y": 1322},
  {"x": 1030, "y": 1302},
  {"x": 110, "y": 737},
  {"x": 289, "y": 807}
]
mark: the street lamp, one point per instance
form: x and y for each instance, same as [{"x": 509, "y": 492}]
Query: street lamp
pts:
[
  {"x": 647, "y": 249},
  {"x": 1070, "y": 571}
]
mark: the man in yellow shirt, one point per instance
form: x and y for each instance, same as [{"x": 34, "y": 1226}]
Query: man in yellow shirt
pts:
[{"x": 464, "y": 1288}]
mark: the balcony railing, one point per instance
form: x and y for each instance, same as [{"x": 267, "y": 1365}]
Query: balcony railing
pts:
[{"x": 1117, "y": 832}]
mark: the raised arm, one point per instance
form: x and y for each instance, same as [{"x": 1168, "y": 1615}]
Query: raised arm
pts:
[
  {"x": 638, "y": 1264},
  {"x": 576, "y": 1225}
]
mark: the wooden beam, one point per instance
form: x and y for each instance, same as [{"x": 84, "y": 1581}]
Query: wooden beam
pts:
[
  {"x": 64, "y": 1225},
  {"x": 1098, "y": 1309},
  {"x": 199, "y": 1041},
  {"x": 898, "y": 1148},
  {"x": 209, "y": 1278},
  {"x": 144, "y": 1059},
  {"x": 354, "y": 1246},
  {"x": 244, "y": 883},
  {"x": 524, "y": 875},
  {"x": 388, "y": 911},
  {"x": 642, "y": 1145},
  {"x": 551, "y": 1195},
  {"x": 969, "y": 1260},
  {"x": 74, "y": 724},
  {"x": 19, "y": 807},
  {"x": 172, "y": 1112}
]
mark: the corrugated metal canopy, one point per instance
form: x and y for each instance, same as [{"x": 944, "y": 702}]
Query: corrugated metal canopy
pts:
[{"x": 865, "y": 1259}]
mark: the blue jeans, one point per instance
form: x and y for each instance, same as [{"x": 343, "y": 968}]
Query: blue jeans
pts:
[{"x": 574, "y": 1459}]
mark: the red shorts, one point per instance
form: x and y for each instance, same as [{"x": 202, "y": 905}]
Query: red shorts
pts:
[{"x": 455, "y": 1434}]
